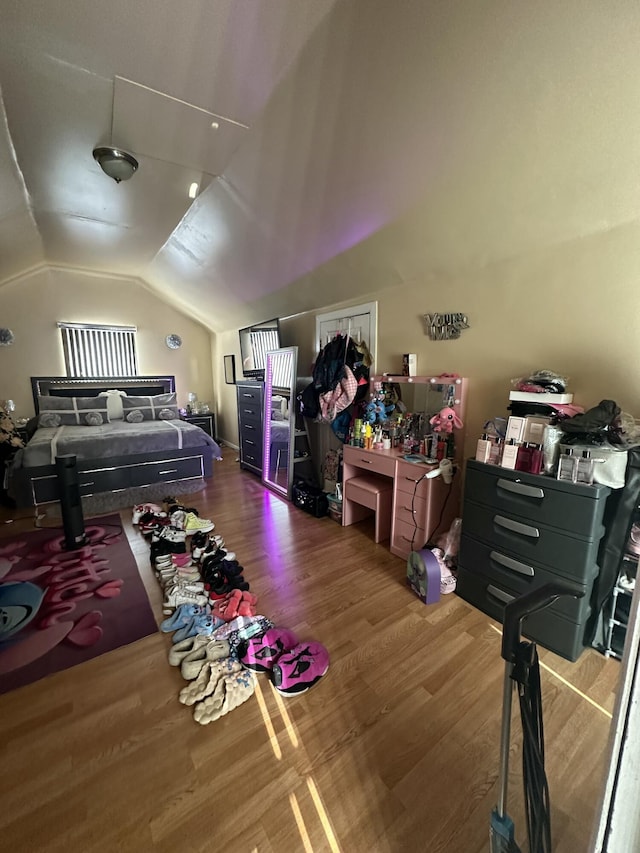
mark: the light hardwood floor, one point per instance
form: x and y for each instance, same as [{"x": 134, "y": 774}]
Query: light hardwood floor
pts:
[{"x": 396, "y": 749}]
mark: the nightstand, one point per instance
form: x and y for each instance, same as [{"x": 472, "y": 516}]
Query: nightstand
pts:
[{"x": 206, "y": 422}]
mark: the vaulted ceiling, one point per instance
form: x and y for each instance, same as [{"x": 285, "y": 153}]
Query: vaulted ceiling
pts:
[{"x": 437, "y": 135}]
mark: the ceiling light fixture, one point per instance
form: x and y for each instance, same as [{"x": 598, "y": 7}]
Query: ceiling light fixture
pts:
[
  {"x": 193, "y": 190},
  {"x": 116, "y": 163},
  {"x": 215, "y": 125}
]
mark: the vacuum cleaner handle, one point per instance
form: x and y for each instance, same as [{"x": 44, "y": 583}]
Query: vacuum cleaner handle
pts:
[{"x": 527, "y": 604}]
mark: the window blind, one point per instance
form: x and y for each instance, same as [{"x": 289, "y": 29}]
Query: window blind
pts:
[{"x": 95, "y": 350}]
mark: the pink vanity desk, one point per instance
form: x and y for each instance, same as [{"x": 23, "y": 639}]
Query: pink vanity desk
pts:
[{"x": 408, "y": 508}]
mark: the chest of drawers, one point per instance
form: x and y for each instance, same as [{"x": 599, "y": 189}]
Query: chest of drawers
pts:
[
  {"x": 250, "y": 397},
  {"x": 520, "y": 531}
]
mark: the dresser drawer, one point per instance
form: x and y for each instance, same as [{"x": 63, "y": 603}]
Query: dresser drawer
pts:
[
  {"x": 251, "y": 411},
  {"x": 406, "y": 537},
  {"x": 248, "y": 394},
  {"x": 527, "y": 539},
  {"x": 103, "y": 480},
  {"x": 166, "y": 471},
  {"x": 251, "y": 431},
  {"x": 505, "y": 570},
  {"x": 407, "y": 508},
  {"x": 370, "y": 460},
  {"x": 571, "y": 507},
  {"x": 550, "y": 627},
  {"x": 408, "y": 475}
]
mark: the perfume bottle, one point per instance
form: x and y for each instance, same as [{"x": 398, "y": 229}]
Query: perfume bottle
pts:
[
  {"x": 523, "y": 458},
  {"x": 483, "y": 449},
  {"x": 584, "y": 468},
  {"x": 495, "y": 452},
  {"x": 536, "y": 462},
  {"x": 509, "y": 454},
  {"x": 568, "y": 466}
]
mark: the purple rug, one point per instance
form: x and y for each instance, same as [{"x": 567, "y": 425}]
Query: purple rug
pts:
[{"x": 59, "y": 608}]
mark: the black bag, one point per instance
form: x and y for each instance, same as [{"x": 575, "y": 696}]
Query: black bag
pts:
[{"x": 310, "y": 498}]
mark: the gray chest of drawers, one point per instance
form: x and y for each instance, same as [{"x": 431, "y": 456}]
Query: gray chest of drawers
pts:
[
  {"x": 250, "y": 397},
  {"x": 520, "y": 531}
]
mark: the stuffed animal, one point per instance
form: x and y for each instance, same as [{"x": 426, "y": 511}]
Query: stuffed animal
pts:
[
  {"x": 377, "y": 410},
  {"x": 445, "y": 421}
]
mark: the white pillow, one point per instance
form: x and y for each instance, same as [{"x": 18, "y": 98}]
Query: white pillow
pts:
[{"x": 114, "y": 403}]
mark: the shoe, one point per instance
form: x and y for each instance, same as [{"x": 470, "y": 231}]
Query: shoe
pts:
[
  {"x": 140, "y": 509},
  {"x": 204, "y": 685},
  {"x": 150, "y": 521},
  {"x": 297, "y": 670},
  {"x": 260, "y": 653},
  {"x": 193, "y": 662},
  {"x": 230, "y": 692},
  {"x": 182, "y": 616},
  {"x": 177, "y": 596},
  {"x": 204, "y": 624},
  {"x": 164, "y": 547},
  {"x": 180, "y": 650},
  {"x": 172, "y": 505},
  {"x": 194, "y": 524},
  {"x": 199, "y": 542},
  {"x": 168, "y": 534}
]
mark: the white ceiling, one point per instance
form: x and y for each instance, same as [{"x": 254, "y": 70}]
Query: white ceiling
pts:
[{"x": 360, "y": 143}]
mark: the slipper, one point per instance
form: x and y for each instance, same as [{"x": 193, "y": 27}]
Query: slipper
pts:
[
  {"x": 243, "y": 628},
  {"x": 193, "y": 662},
  {"x": 260, "y": 653},
  {"x": 205, "y": 625},
  {"x": 182, "y": 615},
  {"x": 298, "y": 670},
  {"x": 231, "y": 692},
  {"x": 206, "y": 682},
  {"x": 180, "y": 650},
  {"x": 447, "y": 583}
]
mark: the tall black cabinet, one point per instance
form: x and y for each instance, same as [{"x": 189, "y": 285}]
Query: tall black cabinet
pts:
[
  {"x": 520, "y": 531},
  {"x": 250, "y": 396}
]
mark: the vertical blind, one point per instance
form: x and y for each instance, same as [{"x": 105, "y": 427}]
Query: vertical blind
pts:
[
  {"x": 92, "y": 350},
  {"x": 261, "y": 342}
]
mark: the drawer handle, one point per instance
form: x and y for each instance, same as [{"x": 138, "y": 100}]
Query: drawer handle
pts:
[
  {"x": 503, "y": 597},
  {"x": 169, "y": 471},
  {"x": 248, "y": 411},
  {"x": 248, "y": 441},
  {"x": 510, "y": 563},
  {"x": 247, "y": 395},
  {"x": 249, "y": 426},
  {"x": 516, "y": 526},
  {"x": 520, "y": 489},
  {"x": 84, "y": 485},
  {"x": 411, "y": 480},
  {"x": 366, "y": 461}
]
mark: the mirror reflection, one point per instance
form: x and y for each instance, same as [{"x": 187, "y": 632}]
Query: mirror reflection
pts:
[
  {"x": 416, "y": 398},
  {"x": 279, "y": 419}
]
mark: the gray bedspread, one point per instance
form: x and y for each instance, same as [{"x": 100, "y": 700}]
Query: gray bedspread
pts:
[{"x": 118, "y": 438}]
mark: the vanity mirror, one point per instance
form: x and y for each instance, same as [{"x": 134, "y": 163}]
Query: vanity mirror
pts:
[{"x": 423, "y": 397}]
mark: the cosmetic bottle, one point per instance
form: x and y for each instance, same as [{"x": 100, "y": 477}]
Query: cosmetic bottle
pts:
[
  {"x": 483, "y": 449},
  {"x": 495, "y": 451},
  {"x": 584, "y": 473},
  {"x": 536, "y": 462},
  {"x": 568, "y": 466},
  {"x": 509, "y": 454},
  {"x": 523, "y": 458},
  {"x": 441, "y": 448}
]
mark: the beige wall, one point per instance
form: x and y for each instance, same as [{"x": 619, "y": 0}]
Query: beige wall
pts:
[{"x": 32, "y": 305}]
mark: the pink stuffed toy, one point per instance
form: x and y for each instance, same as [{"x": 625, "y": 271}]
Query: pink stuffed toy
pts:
[{"x": 445, "y": 421}]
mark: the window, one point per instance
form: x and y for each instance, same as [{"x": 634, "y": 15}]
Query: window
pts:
[{"x": 92, "y": 350}]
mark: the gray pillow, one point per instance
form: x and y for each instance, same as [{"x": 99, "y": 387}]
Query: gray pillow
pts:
[
  {"x": 71, "y": 411},
  {"x": 161, "y": 407}
]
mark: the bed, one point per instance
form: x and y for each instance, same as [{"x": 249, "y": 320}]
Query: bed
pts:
[{"x": 125, "y": 433}]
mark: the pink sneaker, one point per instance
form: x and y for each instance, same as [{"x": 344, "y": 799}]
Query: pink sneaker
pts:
[
  {"x": 262, "y": 652},
  {"x": 296, "y": 671}
]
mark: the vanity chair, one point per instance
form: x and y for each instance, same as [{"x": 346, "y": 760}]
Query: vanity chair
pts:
[{"x": 409, "y": 507}]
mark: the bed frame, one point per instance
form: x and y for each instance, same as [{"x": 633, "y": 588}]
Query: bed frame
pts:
[{"x": 32, "y": 486}]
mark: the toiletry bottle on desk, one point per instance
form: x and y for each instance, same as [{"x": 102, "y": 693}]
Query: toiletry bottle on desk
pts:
[
  {"x": 509, "y": 454},
  {"x": 536, "y": 462},
  {"x": 584, "y": 468},
  {"x": 523, "y": 458},
  {"x": 568, "y": 466},
  {"x": 483, "y": 449},
  {"x": 495, "y": 451}
]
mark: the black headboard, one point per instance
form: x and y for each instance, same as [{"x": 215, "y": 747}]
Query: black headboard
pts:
[{"x": 70, "y": 386}]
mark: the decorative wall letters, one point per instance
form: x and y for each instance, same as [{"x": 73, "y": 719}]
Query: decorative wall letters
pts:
[{"x": 445, "y": 327}]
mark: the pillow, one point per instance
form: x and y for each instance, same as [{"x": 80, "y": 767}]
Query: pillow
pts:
[
  {"x": 161, "y": 407},
  {"x": 114, "y": 403},
  {"x": 71, "y": 411}
]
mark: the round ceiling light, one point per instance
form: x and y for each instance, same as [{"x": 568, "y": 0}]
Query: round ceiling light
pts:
[{"x": 116, "y": 163}]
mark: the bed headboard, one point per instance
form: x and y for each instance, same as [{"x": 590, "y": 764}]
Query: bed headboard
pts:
[{"x": 70, "y": 386}]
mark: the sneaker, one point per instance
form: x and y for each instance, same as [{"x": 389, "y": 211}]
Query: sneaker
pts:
[
  {"x": 140, "y": 509},
  {"x": 194, "y": 524},
  {"x": 168, "y": 534},
  {"x": 261, "y": 653},
  {"x": 180, "y": 595},
  {"x": 149, "y": 522},
  {"x": 210, "y": 546},
  {"x": 297, "y": 670},
  {"x": 163, "y": 547}
]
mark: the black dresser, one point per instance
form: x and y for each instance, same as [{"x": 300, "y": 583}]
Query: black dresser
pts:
[
  {"x": 250, "y": 396},
  {"x": 519, "y": 531}
]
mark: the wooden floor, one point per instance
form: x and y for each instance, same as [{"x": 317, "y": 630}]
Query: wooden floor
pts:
[{"x": 396, "y": 749}]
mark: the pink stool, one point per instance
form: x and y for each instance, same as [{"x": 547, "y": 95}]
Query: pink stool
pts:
[{"x": 365, "y": 494}]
